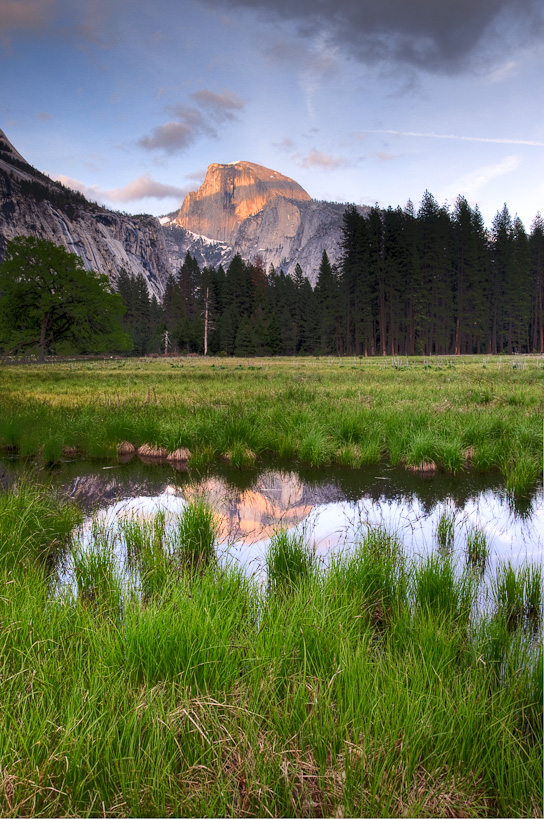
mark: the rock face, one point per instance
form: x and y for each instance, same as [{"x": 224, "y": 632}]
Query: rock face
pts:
[
  {"x": 254, "y": 211},
  {"x": 240, "y": 208},
  {"x": 232, "y": 193},
  {"x": 31, "y": 204}
]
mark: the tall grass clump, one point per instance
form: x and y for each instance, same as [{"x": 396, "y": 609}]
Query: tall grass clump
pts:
[
  {"x": 445, "y": 532},
  {"x": 521, "y": 472},
  {"x": 289, "y": 560},
  {"x": 477, "y": 549},
  {"x": 315, "y": 447},
  {"x": 517, "y": 594},
  {"x": 195, "y": 535},
  {"x": 439, "y": 589},
  {"x": 373, "y": 574},
  {"x": 35, "y": 524},
  {"x": 147, "y": 549},
  {"x": 97, "y": 576},
  {"x": 450, "y": 456}
]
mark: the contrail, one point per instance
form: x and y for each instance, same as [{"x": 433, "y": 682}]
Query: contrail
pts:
[{"x": 498, "y": 140}]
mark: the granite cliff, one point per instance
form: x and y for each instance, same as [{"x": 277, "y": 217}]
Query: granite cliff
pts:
[
  {"x": 254, "y": 211},
  {"x": 232, "y": 193},
  {"x": 31, "y": 204},
  {"x": 240, "y": 208}
]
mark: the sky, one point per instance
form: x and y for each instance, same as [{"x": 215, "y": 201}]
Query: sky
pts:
[{"x": 357, "y": 100}]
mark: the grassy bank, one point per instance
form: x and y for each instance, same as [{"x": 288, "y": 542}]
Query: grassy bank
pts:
[
  {"x": 453, "y": 414},
  {"x": 369, "y": 688}
]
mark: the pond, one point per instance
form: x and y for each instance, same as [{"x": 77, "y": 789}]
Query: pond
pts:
[{"x": 333, "y": 507}]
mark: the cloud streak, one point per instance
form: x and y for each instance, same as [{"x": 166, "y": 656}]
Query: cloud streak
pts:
[
  {"x": 314, "y": 63},
  {"x": 470, "y": 184},
  {"x": 430, "y": 135}
]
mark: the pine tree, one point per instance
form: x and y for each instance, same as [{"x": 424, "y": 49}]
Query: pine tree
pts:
[
  {"x": 536, "y": 249},
  {"x": 502, "y": 257},
  {"x": 327, "y": 300},
  {"x": 245, "y": 338},
  {"x": 470, "y": 278},
  {"x": 173, "y": 310}
]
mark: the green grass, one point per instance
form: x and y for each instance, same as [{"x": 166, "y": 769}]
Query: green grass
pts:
[
  {"x": 517, "y": 595},
  {"x": 477, "y": 549},
  {"x": 445, "y": 532},
  {"x": 371, "y": 688},
  {"x": 195, "y": 536},
  {"x": 289, "y": 561},
  {"x": 320, "y": 411}
]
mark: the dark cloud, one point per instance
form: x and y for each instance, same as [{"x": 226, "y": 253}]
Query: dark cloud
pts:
[
  {"x": 429, "y": 34},
  {"x": 43, "y": 116},
  {"x": 171, "y": 137},
  {"x": 193, "y": 123},
  {"x": 223, "y": 106},
  {"x": 285, "y": 144}
]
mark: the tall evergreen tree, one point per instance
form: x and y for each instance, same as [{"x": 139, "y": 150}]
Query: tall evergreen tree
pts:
[
  {"x": 536, "y": 249},
  {"x": 328, "y": 304},
  {"x": 502, "y": 266}
]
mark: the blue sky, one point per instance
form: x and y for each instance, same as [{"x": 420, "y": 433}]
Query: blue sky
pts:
[{"x": 358, "y": 101}]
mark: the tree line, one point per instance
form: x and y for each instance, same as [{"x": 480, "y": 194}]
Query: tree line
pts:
[{"x": 431, "y": 281}]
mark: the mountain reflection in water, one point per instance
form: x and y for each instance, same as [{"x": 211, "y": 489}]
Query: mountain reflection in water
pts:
[{"x": 332, "y": 505}]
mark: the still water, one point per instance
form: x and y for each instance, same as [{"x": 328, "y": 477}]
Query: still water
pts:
[{"x": 332, "y": 506}]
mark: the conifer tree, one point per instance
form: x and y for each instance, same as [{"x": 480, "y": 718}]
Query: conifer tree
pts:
[
  {"x": 328, "y": 307},
  {"x": 536, "y": 249}
]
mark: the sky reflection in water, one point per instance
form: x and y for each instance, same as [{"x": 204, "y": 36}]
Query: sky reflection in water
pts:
[{"x": 333, "y": 508}]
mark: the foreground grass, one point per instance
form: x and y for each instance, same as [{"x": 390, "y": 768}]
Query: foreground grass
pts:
[
  {"x": 365, "y": 689},
  {"x": 481, "y": 412}
]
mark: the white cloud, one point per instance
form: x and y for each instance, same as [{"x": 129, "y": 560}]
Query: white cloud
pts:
[
  {"x": 145, "y": 187},
  {"x": 471, "y": 183},
  {"x": 142, "y": 188},
  {"x": 89, "y": 191},
  {"x": 502, "y": 72}
]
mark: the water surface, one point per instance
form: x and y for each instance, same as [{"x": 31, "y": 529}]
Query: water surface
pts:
[{"x": 332, "y": 506}]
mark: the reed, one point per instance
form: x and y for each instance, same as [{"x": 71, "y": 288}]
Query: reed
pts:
[
  {"x": 35, "y": 525},
  {"x": 477, "y": 550},
  {"x": 148, "y": 552},
  {"x": 97, "y": 574},
  {"x": 517, "y": 594},
  {"x": 195, "y": 536},
  {"x": 437, "y": 587},
  {"x": 214, "y": 697},
  {"x": 289, "y": 561},
  {"x": 445, "y": 532}
]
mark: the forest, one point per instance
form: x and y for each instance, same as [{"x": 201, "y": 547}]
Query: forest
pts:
[{"x": 431, "y": 281}]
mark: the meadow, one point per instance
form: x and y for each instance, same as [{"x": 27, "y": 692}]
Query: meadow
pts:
[
  {"x": 178, "y": 685},
  {"x": 372, "y": 687},
  {"x": 450, "y": 413}
]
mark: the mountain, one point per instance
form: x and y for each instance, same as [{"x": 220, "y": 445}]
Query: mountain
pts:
[
  {"x": 232, "y": 193},
  {"x": 241, "y": 207},
  {"x": 254, "y": 211},
  {"x": 31, "y": 204}
]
